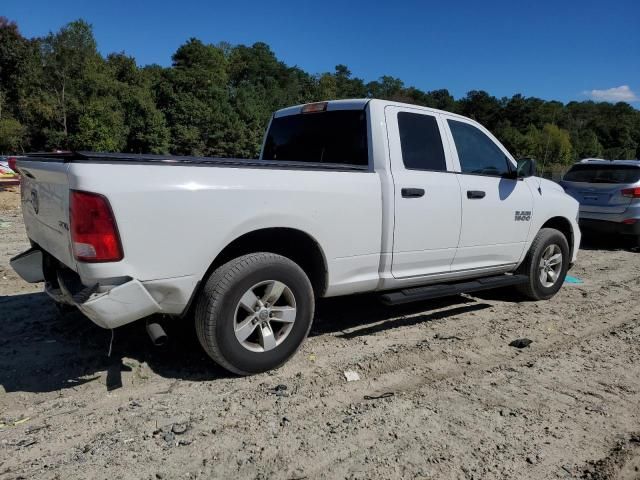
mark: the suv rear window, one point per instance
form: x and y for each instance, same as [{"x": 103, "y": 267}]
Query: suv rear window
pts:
[
  {"x": 603, "y": 174},
  {"x": 338, "y": 136}
]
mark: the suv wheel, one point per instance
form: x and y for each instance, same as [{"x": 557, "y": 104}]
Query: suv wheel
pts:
[
  {"x": 254, "y": 312},
  {"x": 546, "y": 265}
]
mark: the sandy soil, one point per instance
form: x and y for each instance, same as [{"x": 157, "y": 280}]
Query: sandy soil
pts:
[{"x": 461, "y": 403}]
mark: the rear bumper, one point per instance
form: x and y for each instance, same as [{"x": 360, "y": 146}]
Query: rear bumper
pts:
[
  {"x": 109, "y": 303},
  {"x": 614, "y": 228},
  {"x": 117, "y": 306}
]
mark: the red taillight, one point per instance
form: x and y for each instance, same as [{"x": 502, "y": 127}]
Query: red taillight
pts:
[
  {"x": 94, "y": 233},
  {"x": 631, "y": 192},
  {"x": 12, "y": 163},
  {"x": 630, "y": 221}
]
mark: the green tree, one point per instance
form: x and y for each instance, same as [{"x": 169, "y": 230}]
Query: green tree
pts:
[
  {"x": 12, "y": 58},
  {"x": 101, "y": 127},
  {"x": 482, "y": 107},
  {"x": 346, "y": 85},
  {"x": 66, "y": 55},
  {"x": 549, "y": 145},
  {"x": 12, "y": 135},
  {"x": 586, "y": 144},
  {"x": 197, "y": 105},
  {"x": 386, "y": 87}
]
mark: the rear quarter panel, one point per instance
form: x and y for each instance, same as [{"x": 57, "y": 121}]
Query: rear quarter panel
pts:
[{"x": 174, "y": 220}]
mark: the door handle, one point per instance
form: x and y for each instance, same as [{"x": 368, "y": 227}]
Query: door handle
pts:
[
  {"x": 412, "y": 192},
  {"x": 475, "y": 194}
]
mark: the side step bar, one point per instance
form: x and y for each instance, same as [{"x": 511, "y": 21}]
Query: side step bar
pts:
[{"x": 447, "y": 289}]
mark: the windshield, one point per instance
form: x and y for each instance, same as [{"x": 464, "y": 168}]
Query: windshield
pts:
[
  {"x": 338, "y": 136},
  {"x": 603, "y": 174}
]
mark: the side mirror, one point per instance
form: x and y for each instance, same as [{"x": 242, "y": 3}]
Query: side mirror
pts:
[{"x": 526, "y": 168}]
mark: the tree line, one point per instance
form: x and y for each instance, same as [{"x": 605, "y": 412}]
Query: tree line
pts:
[{"x": 59, "y": 92}]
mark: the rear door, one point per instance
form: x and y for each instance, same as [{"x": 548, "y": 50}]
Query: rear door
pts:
[
  {"x": 427, "y": 194},
  {"x": 496, "y": 210}
]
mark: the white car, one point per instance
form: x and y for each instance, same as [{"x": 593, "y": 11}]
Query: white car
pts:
[{"x": 348, "y": 196}]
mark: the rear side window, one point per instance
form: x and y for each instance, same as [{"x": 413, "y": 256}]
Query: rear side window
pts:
[
  {"x": 421, "y": 142},
  {"x": 478, "y": 154},
  {"x": 603, "y": 174},
  {"x": 338, "y": 136}
]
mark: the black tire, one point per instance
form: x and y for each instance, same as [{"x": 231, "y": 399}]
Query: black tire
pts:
[
  {"x": 534, "y": 288},
  {"x": 215, "y": 313}
]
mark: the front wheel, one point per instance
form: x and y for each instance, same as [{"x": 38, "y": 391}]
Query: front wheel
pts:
[
  {"x": 254, "y": 312},
  {"x": 546, "y": 265}
]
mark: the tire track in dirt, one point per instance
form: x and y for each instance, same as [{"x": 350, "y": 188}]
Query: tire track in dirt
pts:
[
  {"x": 410, "y": 360},
  {"x": 361, "y": 441}
]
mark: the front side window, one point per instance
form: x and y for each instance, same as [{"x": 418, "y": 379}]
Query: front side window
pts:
[
  {"x": 338, "y": 136},
  {"x": 478, "y": 154}
]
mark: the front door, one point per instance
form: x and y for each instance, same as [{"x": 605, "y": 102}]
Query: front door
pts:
[{"x": 496, "y": 209}]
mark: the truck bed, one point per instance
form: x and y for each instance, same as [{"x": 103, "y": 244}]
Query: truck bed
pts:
[
  {"x": 175, "y": 215},
  {"x": 133, "y": 158}
]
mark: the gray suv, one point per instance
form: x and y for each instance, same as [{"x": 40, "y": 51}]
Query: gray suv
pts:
[{"x": 609, "y": 195}]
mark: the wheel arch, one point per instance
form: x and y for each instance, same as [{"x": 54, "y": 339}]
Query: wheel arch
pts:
[
  {"x": 563, "y": 225},
  {"x": 292, "y": 243}
]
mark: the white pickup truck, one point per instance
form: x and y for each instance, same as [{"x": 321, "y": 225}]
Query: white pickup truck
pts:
[{"x": 348, "y": 196}]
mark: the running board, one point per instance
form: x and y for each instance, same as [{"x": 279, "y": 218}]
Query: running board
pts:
[{"x": 445, "y": 290}]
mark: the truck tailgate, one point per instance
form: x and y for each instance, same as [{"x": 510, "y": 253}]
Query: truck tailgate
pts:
[{"x": 45, "y": 207}]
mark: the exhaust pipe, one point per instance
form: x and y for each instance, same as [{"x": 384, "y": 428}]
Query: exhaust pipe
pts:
[{"x": 157, "y": 334}]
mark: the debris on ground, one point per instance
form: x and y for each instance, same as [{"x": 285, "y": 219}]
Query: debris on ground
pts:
[
  {"x": 351, "y": 376},
  {"x": 180, "y": 428},
  {"x": 279, "y": 391},
  {"x": 446, "y": 337},
  {"x": 521, "y": 343},
  {"x": 572, "y": 280},
  {"x": 378, "y": 397}
]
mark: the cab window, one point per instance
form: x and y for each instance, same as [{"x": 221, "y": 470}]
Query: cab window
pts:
[
  {"x": 338, "y": 136},
  {"x": 478, "y": 154},
  {"x": 420, "y": 142}
]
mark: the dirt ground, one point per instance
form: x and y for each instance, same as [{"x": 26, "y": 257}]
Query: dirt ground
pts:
[{"x": 441, "y": 393}]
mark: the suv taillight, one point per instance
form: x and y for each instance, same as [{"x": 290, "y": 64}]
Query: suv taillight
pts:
[
  {"x": 11, "y": 161},
  {"x": 631, "y": 192},
  {"x": 94, "y": 234}
]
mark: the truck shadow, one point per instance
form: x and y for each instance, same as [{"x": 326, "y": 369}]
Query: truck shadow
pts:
[
  {"x": 361, "y": 315},
  {"x": 42, "y": 351}
]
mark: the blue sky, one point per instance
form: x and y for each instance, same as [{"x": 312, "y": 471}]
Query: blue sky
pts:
[{"x": 564, "y": 50}]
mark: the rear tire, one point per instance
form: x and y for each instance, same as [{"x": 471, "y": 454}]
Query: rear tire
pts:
[
  {"x": 254, "y": 312},
  {"x": 546, "y": 275}
]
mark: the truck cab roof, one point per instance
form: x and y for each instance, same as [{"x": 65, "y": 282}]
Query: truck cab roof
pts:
[{"x": 355, "y": 104}]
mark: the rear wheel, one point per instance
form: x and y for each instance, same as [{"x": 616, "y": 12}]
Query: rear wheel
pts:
[
  {"x": 546, "y": 265},
  {"x": 254, "y": 312}
]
